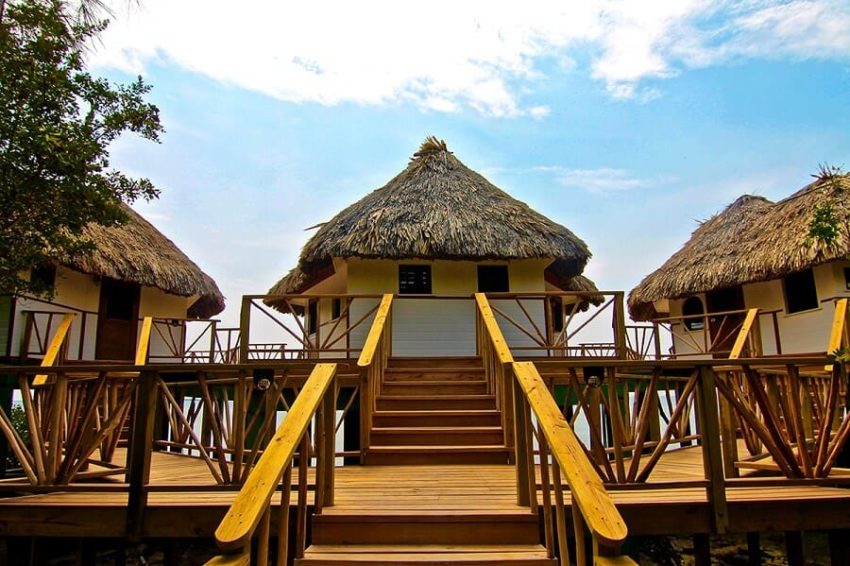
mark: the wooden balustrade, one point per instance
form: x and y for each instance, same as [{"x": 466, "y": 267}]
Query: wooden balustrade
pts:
[
  {"x": 552, "y": 324},
  {"x": 718, "y": 333},
  {"x": 251, "y": 512},
  {"x": 372, "y": 363}
]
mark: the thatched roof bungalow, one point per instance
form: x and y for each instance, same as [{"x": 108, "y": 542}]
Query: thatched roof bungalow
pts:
[
  {"x": 760, "y": 254},
  {"x": 134, "y": 271},
  {"x": 438, "y": 216}
]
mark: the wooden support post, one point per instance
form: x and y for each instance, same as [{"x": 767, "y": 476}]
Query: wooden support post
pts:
[
  {"x": 838, "y": 551},
  {"x": 794, "y": 548},
  {"x": 326, "y": 423},
  {"x": 244, "y": 329},
  {"x": 729, "y": 436},
  {"x": 283, "y": 518},
  {"x": 522, "y": 449},
  {"x": 711, "y": 453},
  {"x": 620, "y": 324},
  {"x": 139, "y": 457},
  {"x": 702, "y": 549},
  {"x": 753, "y": 549}
]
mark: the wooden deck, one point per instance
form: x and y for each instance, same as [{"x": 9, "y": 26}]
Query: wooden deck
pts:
[{"x": 185, "y": 502}]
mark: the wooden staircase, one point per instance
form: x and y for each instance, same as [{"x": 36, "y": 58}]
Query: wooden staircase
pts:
[
  {"x": 436, "y": 411},
  {"x": 436, "y": 432}
]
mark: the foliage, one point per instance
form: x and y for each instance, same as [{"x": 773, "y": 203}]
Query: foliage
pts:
[
  {"x": 19, "y": 423},
  {"x": 824, "y": 225},
  {"x": 56, "y": 124}
]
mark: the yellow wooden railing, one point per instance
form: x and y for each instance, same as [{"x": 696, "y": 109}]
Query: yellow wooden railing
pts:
[
  {"x": 56, "y": 347},
  {"x": 749, "y": 335},
  {"x": 250, "y": 512},
  {"x": 839, "y": 336},
  {"x": 372, "y": 363},
  {"x": 522, "y": 391}
]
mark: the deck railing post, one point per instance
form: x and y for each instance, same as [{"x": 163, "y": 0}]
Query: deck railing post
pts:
[
  {"x": 711, "y": 452},
  {"x": 620, "y": 324},
  {"x": 522, "y": 448},
  {"x": 244, "y": 329},
  {"x": 140, "y": 449}
]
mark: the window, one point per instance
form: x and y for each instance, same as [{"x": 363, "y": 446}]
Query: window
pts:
[
  {"x": 556, "y": 307},
  {"x": 336, "y": 308},
  {"x": 847, "y": 278},
  {"x": 493, "y": 279},
  {"x": 693, "y": 307},
  {"x": 312, "y": 317},
  {"x": 43, "y": 277},
  {"x": 800, "y": 291},
  {"x": 414, "y": 279}
]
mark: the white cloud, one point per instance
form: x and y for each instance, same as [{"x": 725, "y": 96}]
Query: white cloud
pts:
[
  {"x": 446, "y": 56},
  {"x": 603, "y": 180}
]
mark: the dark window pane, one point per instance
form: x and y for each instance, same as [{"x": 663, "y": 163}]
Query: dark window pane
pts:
[
  {"x": 336, "y": 308},
  {"x": 414, "y": 279},
  {"x": 693, "y": 307},
  {"x": 493, "y": 279},
  {"x": 312, "y": 317},
  {"x": 800, "y": 291},
  {"x": 43, "y": 278}
]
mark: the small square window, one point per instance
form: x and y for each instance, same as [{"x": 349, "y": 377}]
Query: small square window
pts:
[
  {"x": 800, "y": 291},
  {"x": 414, "y": 279},
  {"x": 43, "y": 278},
  {"x": 493, "y": 279}
]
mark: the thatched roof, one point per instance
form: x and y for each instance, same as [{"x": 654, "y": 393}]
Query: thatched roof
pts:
[
  {"x": 139, "y": 253},
  {"x": 437, "y": 208},
  {"x": 752, "y": 240}
]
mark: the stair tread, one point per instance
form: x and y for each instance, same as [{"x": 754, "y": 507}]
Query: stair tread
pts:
[
  {"x": 430, "y": 429},
  {"x": 422, "y": 548}
]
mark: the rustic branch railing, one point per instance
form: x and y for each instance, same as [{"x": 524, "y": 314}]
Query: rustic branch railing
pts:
[
  {"x": 372, "y": 363},
  {"x": 714, "y": 333},
  {"x": 554, "y": 323},
  {"x": 301, "y": 337},
  {"x": 251, "y": 512}
]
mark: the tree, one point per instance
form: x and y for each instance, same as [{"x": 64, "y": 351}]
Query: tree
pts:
[{"x": 56, "y": 124}]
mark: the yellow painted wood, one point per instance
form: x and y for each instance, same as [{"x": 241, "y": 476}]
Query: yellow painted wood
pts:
[
  {"x": 839, "y": 320},
  {"x": 493, "y": 330},
  {"x": 587, "y": 490},
  {"x": 741, "y": 340},
  {"x": 241, "y": 559},
  {"x": 55, "y": 346},
  {"x": 613, "y": 561},
  {"x": 235, "y": 530},
  {"x": 375, "y": 333},
  {"x": 144, "y": 341}
]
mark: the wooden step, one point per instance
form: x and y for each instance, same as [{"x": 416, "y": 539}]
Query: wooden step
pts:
[
  {"x": 462, "y": 418},
  {"x": 445, "y": 528},
  {"x": 433, "y": 388},
  {"x": 434, "y": 374},
  {"x": 427, "y": 555},
  {"x": 435, "y": 403},
  {"x": 436, "y": 454},
  {"x": 440, "y": 362},
  {"x": 442, "y": 435}
]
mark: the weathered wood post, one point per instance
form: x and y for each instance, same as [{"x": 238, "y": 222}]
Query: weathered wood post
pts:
[{"x": 139, "y": 457}]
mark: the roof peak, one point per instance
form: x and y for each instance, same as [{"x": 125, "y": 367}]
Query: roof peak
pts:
[{"x": 431, "y": 146}]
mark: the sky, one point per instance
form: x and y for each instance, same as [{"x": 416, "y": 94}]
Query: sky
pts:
[{"x": 626, "y": 121}]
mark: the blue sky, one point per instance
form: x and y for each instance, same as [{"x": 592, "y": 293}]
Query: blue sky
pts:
[{"x": 625, "y": 121}]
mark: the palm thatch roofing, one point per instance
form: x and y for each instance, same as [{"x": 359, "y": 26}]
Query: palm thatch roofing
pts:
[
  {"x": 751, "y": 240},
  {"x": 437, "y": 208},
  {"x": 137, "y": 252}
]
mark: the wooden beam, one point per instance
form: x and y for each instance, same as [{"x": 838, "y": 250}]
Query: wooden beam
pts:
[
  {"x": 741, "y": 340},
  {"x": 144, "y": 341},
  {"x": 139, "y": 458},
  {"x": 375, "y": 332},
  {"x": 836, "y": 335},
  {"x": 56, "y": 344}
]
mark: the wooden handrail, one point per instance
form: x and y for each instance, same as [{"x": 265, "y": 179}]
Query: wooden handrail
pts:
[
  {"x": 55, "y": 347},
  {"x": 375, "y": 332},
  {"x": 493, "y": 330},
  {"x": 588, "y": 492},
  {"x": 743, "y": 334},
  {"x": 144, "y": 341},
  {"x": 838, "y": 331},
  {"x": 235, "y": 530}
]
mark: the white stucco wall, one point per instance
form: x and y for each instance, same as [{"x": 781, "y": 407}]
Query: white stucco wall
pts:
[
  {"x": 801, "y": 332},
  {"x": 431, "y": 327}
]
